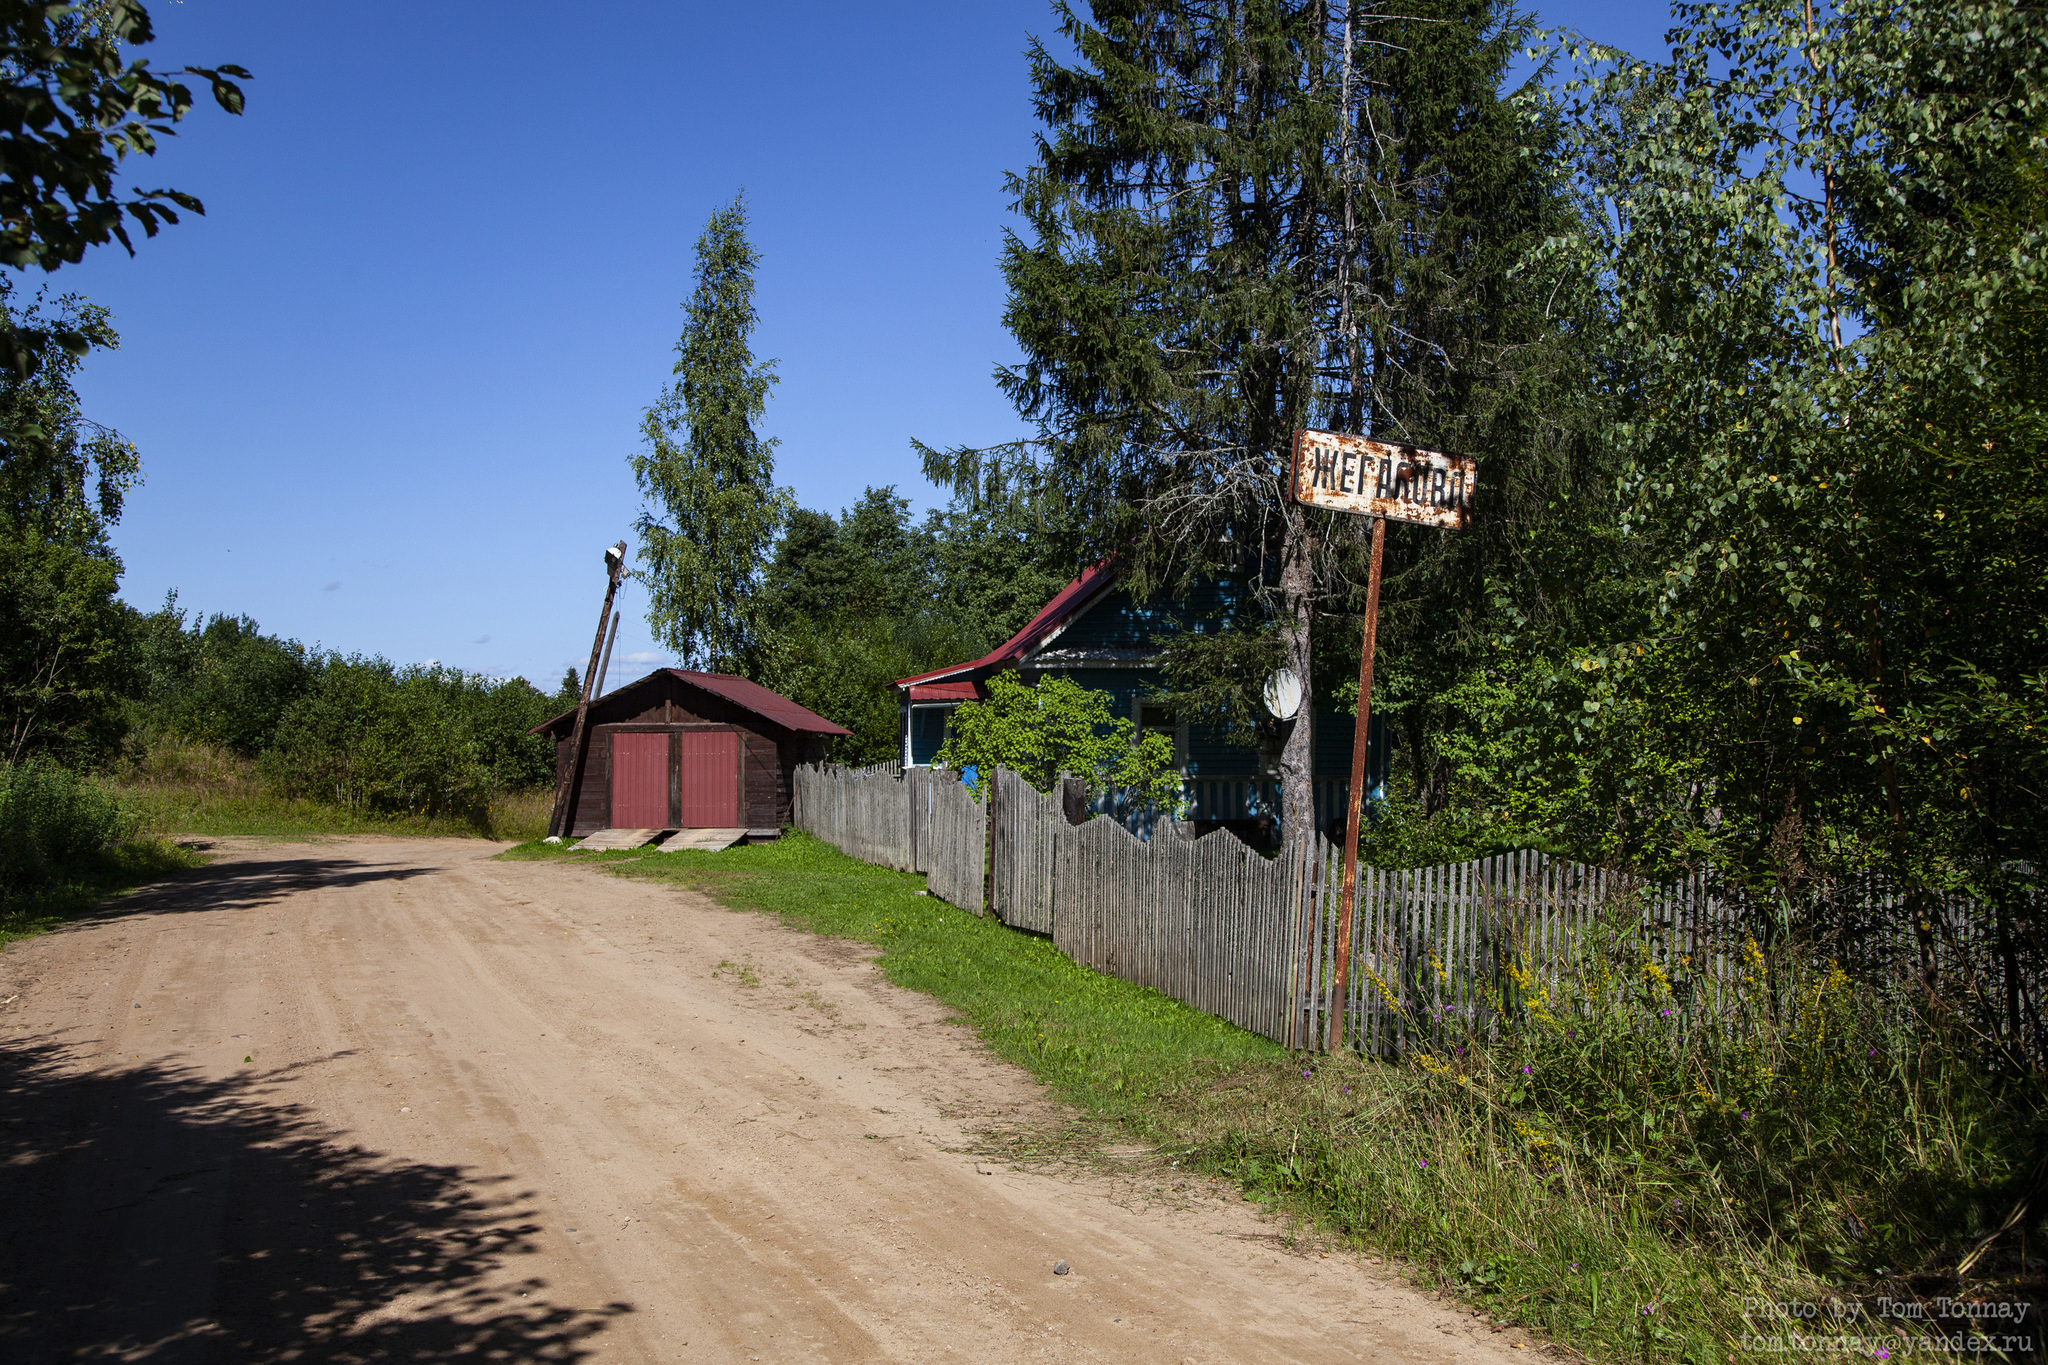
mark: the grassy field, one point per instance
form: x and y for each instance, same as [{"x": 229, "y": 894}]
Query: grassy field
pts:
[
  {"x": 193, "y": 808},
  {"x": 188, "y": 788},
  {"x": 1590, "y": 1235}
]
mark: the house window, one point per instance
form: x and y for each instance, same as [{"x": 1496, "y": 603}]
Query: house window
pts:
[
  {"x": 1157, "y": 717},
  {"x": 930, "y": 727}
]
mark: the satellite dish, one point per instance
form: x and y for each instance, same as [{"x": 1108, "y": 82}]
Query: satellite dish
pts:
[{"x": 1283, "y": 694}]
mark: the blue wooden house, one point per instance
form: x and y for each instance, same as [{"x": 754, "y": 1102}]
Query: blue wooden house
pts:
[{"x": 1097, "y": 635}]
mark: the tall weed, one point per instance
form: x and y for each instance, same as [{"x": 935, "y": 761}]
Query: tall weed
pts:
[
  {"x": 54, "y": 825},
  {"x": 66, "y": 843},
  {"x": 1627, "y": 1149}
]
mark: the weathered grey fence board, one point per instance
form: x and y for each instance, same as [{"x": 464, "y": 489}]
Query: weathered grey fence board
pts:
[
  {"x": 956, "y": 843},
  {"x": 1253, "y": 940},
  {"x": 862, "y": 812},
  {"x": 1026, "y": 823}
]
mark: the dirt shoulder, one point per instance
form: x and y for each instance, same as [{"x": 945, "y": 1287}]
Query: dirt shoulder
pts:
[{"x": 388, "y": 1099}]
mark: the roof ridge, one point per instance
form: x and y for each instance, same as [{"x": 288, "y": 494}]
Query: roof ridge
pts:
[{"x": 1064, "y": 605}]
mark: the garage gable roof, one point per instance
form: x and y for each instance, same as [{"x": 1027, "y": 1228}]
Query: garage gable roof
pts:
[
  {"x": 751, "y": 696},
  {"x": 758, "y": 699}
]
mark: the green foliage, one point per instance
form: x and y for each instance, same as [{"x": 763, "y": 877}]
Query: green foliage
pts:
[
  {"x": 869, "y": 564},
  {"x": 996, "y": 560},
  {"x": 1819, "y": 601},
  {"x": 1059, "y": 728},
  {"x": 61, "y": 474},
  {"x": 219, "y": 681},
  {"x": 1749, "y": 1099},
  {"x": 54, "y": 824},
  {"x": 1250, "y": 218},
  {"x": 428, "y": 741},
  {"x": 65, "y": 665},
  {"x": 71, "y": 111},
  {"x": 845, "y": 672},
  {"x": 1216, "y": 676},
  {"x": 360, "y": 733},
  {"x": 66, "y": 842},
  {"x": 243, "y": 732},
  {"x": 714, "y": 508},
  {"x": 850, "y": 604},
  {"x": 198, "y": 788}
]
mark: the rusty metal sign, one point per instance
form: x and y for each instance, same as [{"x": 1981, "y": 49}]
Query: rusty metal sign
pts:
[{"x": 1380, "y": 479}]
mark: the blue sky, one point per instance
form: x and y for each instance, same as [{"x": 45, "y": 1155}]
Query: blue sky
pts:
[{"x": 386, "y": 389}]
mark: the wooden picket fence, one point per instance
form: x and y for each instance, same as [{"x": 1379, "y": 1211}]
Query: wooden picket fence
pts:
[
  {"x": 1022, "y": 852},
  {"x": 954, "y": 844},
  {"x": 862, "y": 812},
  {"x": 1207, "y": 921},
  {"x": 1253, "y": 939}
]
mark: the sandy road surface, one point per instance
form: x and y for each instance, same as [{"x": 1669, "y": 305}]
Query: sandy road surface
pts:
[{"x": 384, "y": 1100}]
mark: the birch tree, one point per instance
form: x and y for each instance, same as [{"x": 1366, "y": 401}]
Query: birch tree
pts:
[
  {"x": 708, "y": 476},
  {"x": 1824, "y": 245}
]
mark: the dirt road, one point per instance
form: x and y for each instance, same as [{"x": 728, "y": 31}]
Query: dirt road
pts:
[{"x": 383, "y": 1100}]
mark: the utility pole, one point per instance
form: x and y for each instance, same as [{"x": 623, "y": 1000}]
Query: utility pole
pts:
[{"x": 568, "y": 783}]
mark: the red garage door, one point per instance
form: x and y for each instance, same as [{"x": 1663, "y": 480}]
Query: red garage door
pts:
[
  {"x": 639, "y": 781},
  {"x": 710, "y": 779}
]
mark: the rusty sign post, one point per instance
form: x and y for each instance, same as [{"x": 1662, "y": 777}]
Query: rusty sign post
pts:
[
  {"x": 1377, "y": 479},
  {"x": 564, "y": 814}
]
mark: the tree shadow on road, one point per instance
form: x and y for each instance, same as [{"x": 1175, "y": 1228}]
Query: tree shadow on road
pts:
[
  {"x": 247, "y": 883},
  {"x": 152, "y": 1214}
]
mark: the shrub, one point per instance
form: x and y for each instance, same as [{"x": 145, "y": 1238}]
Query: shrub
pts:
[
  {"x": 430, "y": 741},
  {"x": 1059, "y": 727},
  {"x": 54, "y": 826},
  {"x": 63, "y": 670},
  {"x": 220, "y": 682},
  {"x": 1627, "y": 1156},
  {"x": 1791, "y": 1102}
]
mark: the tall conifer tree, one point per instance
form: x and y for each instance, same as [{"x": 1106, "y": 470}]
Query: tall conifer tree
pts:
[
  {"x": 1249, "y": 217},
  {"x": 707, "y": 474}
]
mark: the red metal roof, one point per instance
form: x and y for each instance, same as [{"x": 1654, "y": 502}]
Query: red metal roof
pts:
[
  {"x": 945, "y": 691},
  {"x": 758, "y": 699},
  {"x": 772, "y": 706},
  {"x": 1068, "y": 603}
]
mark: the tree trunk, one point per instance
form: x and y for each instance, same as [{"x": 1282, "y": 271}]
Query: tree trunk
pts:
[{"x": 1297, "y": 749}]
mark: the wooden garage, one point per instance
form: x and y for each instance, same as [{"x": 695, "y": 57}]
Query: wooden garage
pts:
[{"x": 682, "y": 750}]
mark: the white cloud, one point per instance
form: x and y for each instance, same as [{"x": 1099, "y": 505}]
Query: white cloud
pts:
[{"x": 645, "y": 657}]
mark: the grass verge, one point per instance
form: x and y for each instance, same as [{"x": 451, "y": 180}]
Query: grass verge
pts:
[
  {"x": 120, "y": 868},
  {"x": 1588, "y": 1234},
  {"x": 191, "y": 808}
]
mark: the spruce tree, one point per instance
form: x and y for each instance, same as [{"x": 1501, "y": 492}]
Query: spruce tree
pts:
[
  {"x": 707, "y": 474},
  {"x": 1248, "y": 218}
]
